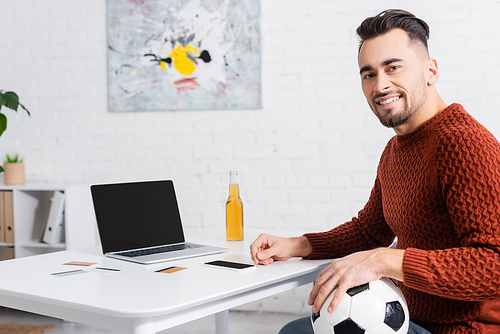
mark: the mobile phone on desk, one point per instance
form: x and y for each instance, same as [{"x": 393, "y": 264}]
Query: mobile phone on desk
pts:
[{"x": 230, "y": 265}]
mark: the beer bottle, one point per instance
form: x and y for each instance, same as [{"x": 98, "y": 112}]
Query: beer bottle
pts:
[{"x": 234, "y": 210}]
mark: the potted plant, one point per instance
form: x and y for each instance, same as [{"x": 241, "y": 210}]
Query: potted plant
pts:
[
  {"x": 11, "y": 101},
  {"x": 13, "y": 168}
]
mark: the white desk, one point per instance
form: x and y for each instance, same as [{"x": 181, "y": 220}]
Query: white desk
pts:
[{"x": 139, "y": 300}]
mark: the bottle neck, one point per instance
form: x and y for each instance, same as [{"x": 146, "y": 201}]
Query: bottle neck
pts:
[
  {"x": 233, "y": 184},
  {"x": 233, "y": 177},
  {"x": 234, "y": 190}
]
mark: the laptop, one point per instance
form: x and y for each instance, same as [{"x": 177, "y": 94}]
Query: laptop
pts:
[{"x": 141, "y": 222}]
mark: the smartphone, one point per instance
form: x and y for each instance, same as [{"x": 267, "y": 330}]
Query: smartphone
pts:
[{"x": 230, "y": 265}]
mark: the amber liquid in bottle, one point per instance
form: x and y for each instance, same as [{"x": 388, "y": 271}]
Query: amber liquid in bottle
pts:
[{"x": 234, "y": 210}]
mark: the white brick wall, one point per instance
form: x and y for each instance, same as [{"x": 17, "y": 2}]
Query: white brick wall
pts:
[{"x": 308, "y": 157}]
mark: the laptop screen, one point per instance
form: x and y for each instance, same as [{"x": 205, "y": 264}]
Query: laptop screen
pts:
[{"x": 137, "y": 215}]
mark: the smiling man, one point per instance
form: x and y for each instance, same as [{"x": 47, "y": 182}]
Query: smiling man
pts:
[
  {"x": 399, "y": 83},
  {"x": 437, "y": 190}
]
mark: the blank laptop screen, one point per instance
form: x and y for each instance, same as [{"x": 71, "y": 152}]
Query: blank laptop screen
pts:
[{"x": 137, "y": 215}]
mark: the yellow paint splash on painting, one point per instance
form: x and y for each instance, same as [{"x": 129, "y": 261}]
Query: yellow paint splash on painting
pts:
[
  {"x": 163, "y": 66},
  {"x": 181, "y": 60}
]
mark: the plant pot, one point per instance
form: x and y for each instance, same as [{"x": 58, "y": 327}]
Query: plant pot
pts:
[{"x": 14, "y": 173}]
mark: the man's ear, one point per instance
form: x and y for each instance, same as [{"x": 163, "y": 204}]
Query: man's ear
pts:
[{"x": 432, "y": 72}]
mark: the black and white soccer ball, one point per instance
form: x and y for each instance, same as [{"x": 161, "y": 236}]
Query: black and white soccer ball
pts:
[{"x": 377, "y": 307}]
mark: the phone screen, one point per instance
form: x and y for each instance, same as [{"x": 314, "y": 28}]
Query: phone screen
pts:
[{"x": 232, "y": 265}]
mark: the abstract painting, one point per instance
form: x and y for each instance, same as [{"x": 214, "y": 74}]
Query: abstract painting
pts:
[{"x": 183, "y": 54}]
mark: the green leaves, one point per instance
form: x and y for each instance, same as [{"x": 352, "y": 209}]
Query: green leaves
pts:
[
  {"x": 11, "y": 101},
  {"x": 3, "y": 123},
  {"x": 12, "y": 159}
]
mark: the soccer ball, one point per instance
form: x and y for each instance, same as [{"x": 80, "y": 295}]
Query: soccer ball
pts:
[{"x": 377, "y": 307}]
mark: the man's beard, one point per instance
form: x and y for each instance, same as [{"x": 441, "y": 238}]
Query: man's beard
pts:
[{"x": 391, "y": 119}]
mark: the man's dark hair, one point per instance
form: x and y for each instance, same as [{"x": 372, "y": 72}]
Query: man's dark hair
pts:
[{"x": 417, "y": 29}]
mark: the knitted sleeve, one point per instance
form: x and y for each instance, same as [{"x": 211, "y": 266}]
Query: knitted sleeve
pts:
[
  {"x": 367, "y": 231},
  {"x": 468, "y": 165}
]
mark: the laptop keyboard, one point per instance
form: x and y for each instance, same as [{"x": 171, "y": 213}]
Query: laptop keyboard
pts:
[{"x": 157, "y": 250}]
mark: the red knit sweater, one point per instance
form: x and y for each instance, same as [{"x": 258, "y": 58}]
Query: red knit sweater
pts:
[{"x": 438, "y": 191}]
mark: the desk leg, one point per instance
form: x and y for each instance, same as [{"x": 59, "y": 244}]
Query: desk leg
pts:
[
  {"x": 222, "y": 322},
  {"x": 143, "y": 327}
]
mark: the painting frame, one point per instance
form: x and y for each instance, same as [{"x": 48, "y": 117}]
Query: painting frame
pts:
[{"x": 183, "y": 55}]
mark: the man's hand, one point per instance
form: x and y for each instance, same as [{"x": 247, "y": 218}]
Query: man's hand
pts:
[
  {"x": 269, "y": 248},
  {"x": 353, "y": 270}
]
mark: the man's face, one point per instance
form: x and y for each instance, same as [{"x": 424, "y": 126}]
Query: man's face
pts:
[{"x": 393, "y": 77}]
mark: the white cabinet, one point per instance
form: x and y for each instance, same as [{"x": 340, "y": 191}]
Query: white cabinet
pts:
[{"x": 30, "y": 205}]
